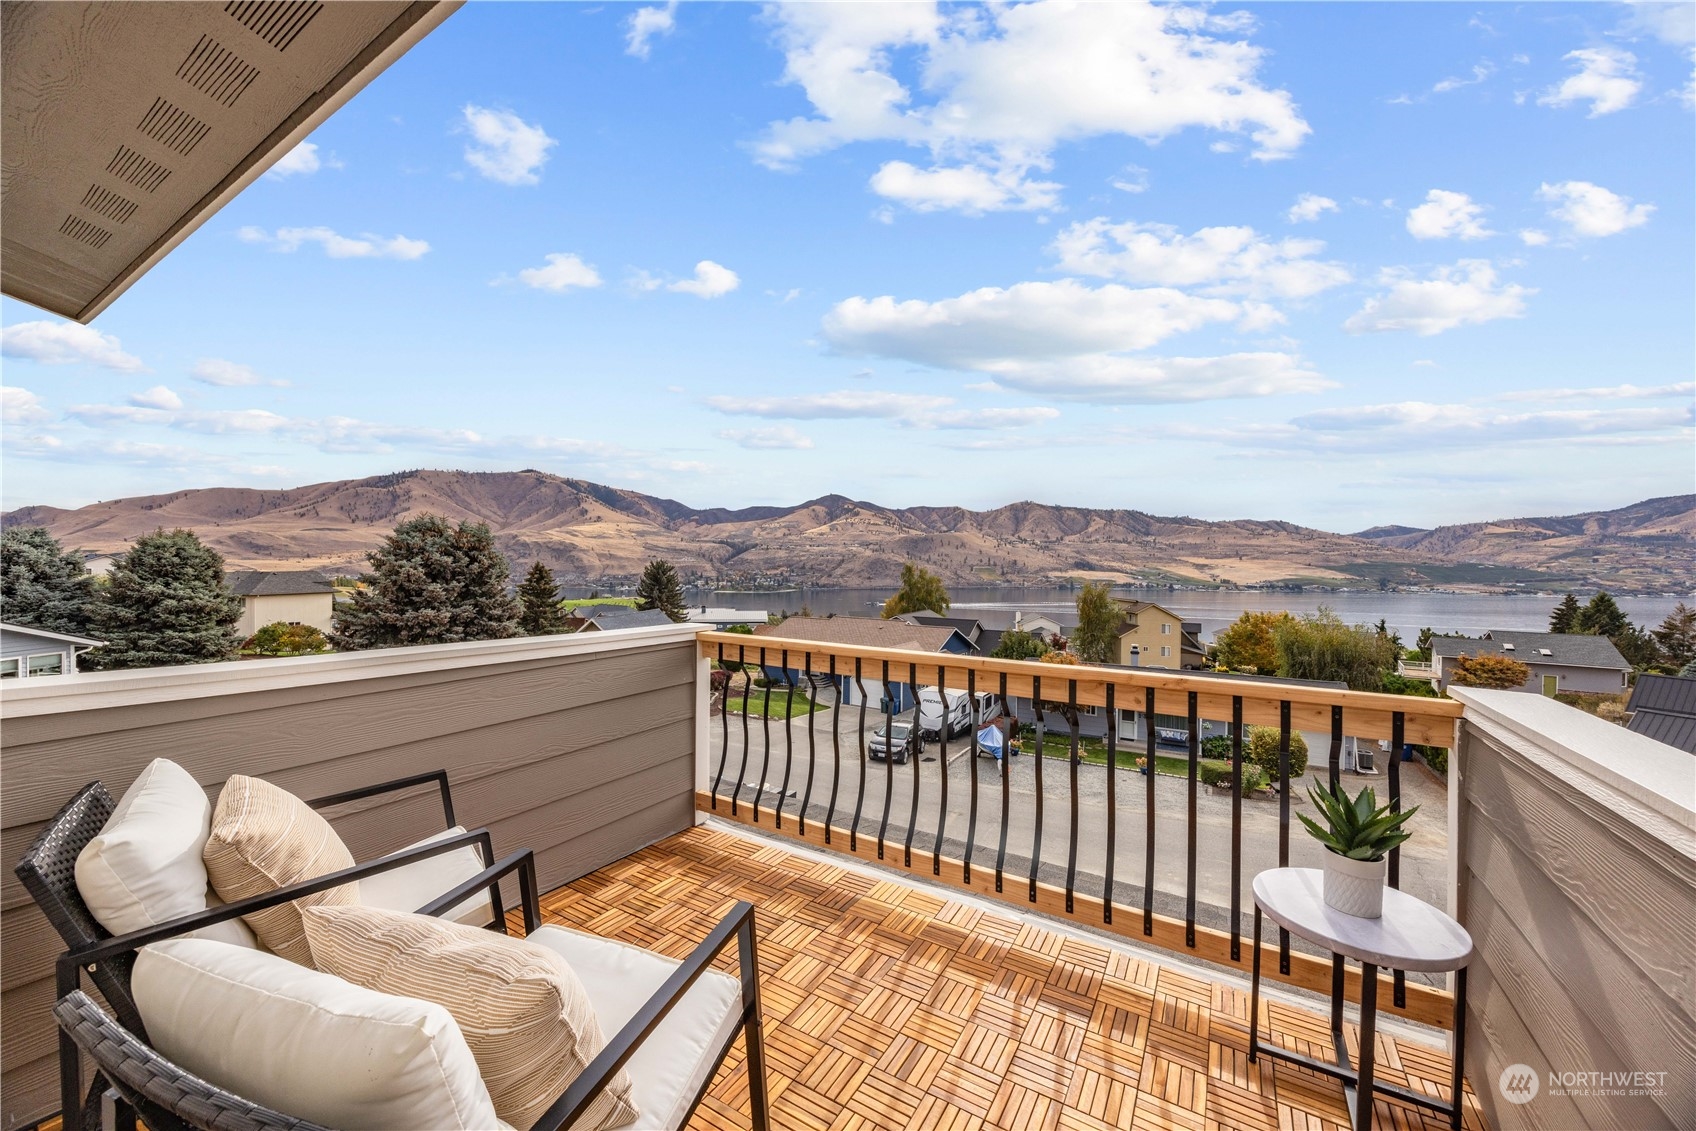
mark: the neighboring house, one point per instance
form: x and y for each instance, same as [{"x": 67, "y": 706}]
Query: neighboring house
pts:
[
  {"x": 727, "y": 618},
  {"x": 969, "y": 627},
  {"x": 27, "y": 652},
  {"x": 897, "y": 692},
  {"x": 1151, "y": 636},
  {"x": 621, "y": 616},
  {"x": 580, "y": 615},
  {"x": 1663, "y": 707},
  {"x": 98, "y": 564},
  {"x": 1558, "y": 661},
  {"x": 302, "y": 596},
  {"x": 1041, "y": 624}
]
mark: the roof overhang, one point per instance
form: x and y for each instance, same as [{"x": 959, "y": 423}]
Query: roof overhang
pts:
[{"x": 127, "y": 125}]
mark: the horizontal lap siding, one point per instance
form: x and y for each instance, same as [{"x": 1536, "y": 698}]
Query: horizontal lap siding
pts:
[
  {"x": 1582, "y": 923},
  {"x": 583, "y": 759}
]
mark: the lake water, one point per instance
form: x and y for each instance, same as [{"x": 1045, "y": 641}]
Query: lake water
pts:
[{"x": 1406, "y": 613}]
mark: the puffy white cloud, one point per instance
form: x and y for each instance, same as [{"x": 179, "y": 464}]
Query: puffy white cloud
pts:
[
  {"x": 229, "y": 375},
  {"x": 561, "y": 272},
  {"x": 67, "y": 343},
  {"x": 646, "y": 23},
  {"x": 302, "y": 160},
  {"x": 1225, "y": 260},
  {"x": 1446, "y": 215},
  {"x": 998, "y": 88},
  {"x": 1533, "y": 237},
  {"x": 1606, "y": 78},
  {"x": 1591, "y": 210},
  {"x": 159, "y": 396},
  {"x": 20, "y": 406},
  {"x": 336, "y": 245},
  {"x": 778, "y": 437},
  {"x": 711, "y": 280},
  {"x": 1117, "y": 379},
  {"x": 1309, "y": 207},
  {"x": 1466, "y": 294},
  {"x": 504, "y": 147}
]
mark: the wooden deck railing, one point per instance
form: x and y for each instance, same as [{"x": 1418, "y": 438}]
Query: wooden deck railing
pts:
[{"x": 1055, "y": 691}]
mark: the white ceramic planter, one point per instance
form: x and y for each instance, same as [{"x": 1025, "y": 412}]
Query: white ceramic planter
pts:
[{"x": 1355, "y": 887}]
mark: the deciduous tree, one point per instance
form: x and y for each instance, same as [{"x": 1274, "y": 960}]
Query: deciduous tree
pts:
[
  {"x": 1488, "y": 670},
  {"x": 921, "y": 591},
  {"x": 431, "y": 582},
  {"x": 1320, "y": 646},
  {"x": 1017, "y": 644},
  {"x": 1096, "y": 639},
  {"x": 539, "y": 613},
  {"x": 660, "y": 589},
  {"x": 165, "y": 602},
  {"x": 1247, "y": 645},
  {"x": 42, "y": 583}
]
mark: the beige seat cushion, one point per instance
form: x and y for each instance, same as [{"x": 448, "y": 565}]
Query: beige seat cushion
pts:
[
  {"x": 523, "y": 1011},
  {"x": 264, "y": 838},
  {"x": 410, "y": 887}
]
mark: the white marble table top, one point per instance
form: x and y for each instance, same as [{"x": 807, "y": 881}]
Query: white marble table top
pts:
[{"x": 1411, "y": 935}]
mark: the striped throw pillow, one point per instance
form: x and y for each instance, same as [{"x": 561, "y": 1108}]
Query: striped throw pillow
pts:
[
  {"x": 520, "y": 1006},
  {"x": 264, "y": 838}
]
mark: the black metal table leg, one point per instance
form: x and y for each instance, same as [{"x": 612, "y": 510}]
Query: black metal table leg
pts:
[
  {"x": 1368, "y": 1051},
  {"x": 1456, "y": 1080},
  {"x": 1254, "y": 994}
]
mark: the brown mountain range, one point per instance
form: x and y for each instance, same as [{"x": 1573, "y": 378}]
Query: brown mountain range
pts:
[{"x": 590, "y": 533}]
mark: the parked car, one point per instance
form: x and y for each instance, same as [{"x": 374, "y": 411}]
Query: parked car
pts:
[{"x": 896, "y": 740}]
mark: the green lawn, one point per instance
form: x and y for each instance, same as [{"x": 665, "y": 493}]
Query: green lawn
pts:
[
  {"x": 579, "y": 602},
  {"x": 1094, "y": 751},
  {"x": 757, "y": 707}
]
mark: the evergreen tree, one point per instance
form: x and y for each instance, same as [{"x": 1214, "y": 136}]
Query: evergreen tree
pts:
[
  {"x": 1096, "y": 639},
  {"x": 1602, "y": 617},
  {"x": 1422, "y": 646},
  {"x": 538, "y": 601},
  {"x": 660, "y": 589},
  {"x": 1637, "y": 648},
  {"x": 921, "y": 591},
  {"x": 42, "y": 583},
  {"x": 166, "y": 603},
  {"x": 1677, "y": 636},
  {"x": 430, "y": 583},
  {"x": 1565, "y": 617}
]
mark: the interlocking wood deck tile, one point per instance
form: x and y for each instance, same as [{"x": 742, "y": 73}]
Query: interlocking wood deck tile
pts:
[{"x": 887, "y": 1006}]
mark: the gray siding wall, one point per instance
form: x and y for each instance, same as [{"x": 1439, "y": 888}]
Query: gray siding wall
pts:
[
  {"x": 1580, "y": 893},
  {"x": 581, "y": 748}
]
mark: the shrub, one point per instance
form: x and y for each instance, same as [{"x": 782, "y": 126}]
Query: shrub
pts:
[
  {"x": 1488, "y": 670},
  {"x": 1437, "y": 757},
  {"x": 284, "y": 639},
  {"x": 1213, "y": 772},
  {"x": 1216, "y": 746},
  {"x": 1262, "y": 750},
  {"x": 1253, "y": 778}
]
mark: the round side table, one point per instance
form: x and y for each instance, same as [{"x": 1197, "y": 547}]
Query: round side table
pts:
[{"x": 1411, "y": 935}]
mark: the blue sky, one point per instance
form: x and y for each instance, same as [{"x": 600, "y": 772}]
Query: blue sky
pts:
[{"x": 1342, "y": 264}]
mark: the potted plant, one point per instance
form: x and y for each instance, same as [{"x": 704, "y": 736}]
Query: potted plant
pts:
[{"x": 1358, "y": 835}]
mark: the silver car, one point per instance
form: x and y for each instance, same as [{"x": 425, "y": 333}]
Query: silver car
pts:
[{"x": 896, "y": 741}]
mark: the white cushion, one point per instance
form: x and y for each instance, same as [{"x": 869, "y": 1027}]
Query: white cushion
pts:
[
  {"x": 145, "y": 867},
  {"x": 411, "y": 887},
  {"x": 677, "y": 1058},
  {"x": 307, "y": 1043}
]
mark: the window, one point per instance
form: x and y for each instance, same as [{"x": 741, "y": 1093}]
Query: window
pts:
[
  {"x": 1085, "y": 709},
  {"x": 1165, "y": 628},
  {"x": 9, "y": 668},
  {"x": 1165, "y": 650},
  {"x": 50, "y": 664}
]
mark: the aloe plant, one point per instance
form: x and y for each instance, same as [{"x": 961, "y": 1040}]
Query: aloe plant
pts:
[{"x": 1359, "y": 829}]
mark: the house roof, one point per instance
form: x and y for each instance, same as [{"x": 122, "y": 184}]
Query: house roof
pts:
[
  {"x": 128, "y": 126},
  {"x": 623, "y": 617},
  {"x": 1663, "y": 707},
  {"x": 279, "y": 583},
  {"x": 1332, "y": 684},
  {"x": 863, "y": 631},
  {"x": 60, "y": 637},
  {"x": 989, "y": 640},
  {"x": 1566, "y": 650},
  {"x": 969, "y": 627},
  {"x": 590, "y": 612}
]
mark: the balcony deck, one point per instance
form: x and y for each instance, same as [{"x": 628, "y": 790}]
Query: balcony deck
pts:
[{"x": 890, "y": 1005}]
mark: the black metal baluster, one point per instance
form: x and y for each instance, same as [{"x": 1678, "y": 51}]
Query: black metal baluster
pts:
[
  {"x": 917, "y": 738},
  {"x": 972, "y": 761},
  {"x": 1398, "y": 736},
  {"x": 1236, "y": 827},
  {"x": 812, "y": 745},
  {"x": 1112, "y": 804},
  {"x": 1336, "y": 746},
  {"x": 1041, "y": 745},
  {"x": 1284, "y": 819},
  {"x": 1148, "y": 815},
  {"x": 1189, "y": 859},
  {"x": 1072, "y": 757},
  {"x": 888, "y": 758},
  {"x": 942, "y": 767},
  {"x": 765, "y": 727},
  {"x": 860, "y": 797},
  {"x": 724, "y": 723},
  {"x": 747, "y": 694},
  {"x": 836, "y": 749},
  {"x": 789, "y": 682},
  {"x": 1006, "y": 789}
]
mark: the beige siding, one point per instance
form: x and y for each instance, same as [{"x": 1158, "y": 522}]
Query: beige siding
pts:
[
  {"x": 1579, "y": 889},
  {"x": 581, "y": 748},
  {"x": 295, "y": 608}
]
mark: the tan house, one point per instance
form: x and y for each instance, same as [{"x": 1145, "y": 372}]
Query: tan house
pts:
[
  {"x": 291, "y": 596},
  {"x": 1152, "y": 636}
]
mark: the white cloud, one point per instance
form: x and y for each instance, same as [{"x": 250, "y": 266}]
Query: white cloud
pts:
[
  {"x": 1466, "y": 294},
  {"x": 302, "y": 160},
  {"x": 1480, "y": 72},
  {"x": 67, "y": 343},
  {"x": 159, "y": 396},
  {"x": 646, "y": 23},
  {"x": 1607, "y": 78},
  {"x": 1533, "y": 237},
  {"x": 1116, "y": 379},
  {"x": 1133, "y": 180},
  {"x": 228, "y": 374},
  {"x": 779, "y": 437},
  {"x": 711, "y": 280},
  {"x": 563, "y": 271},
  {"x": 1591, "y": 210},
  {"x": 997, "y": 89},
  {"x": 1472, "y": 425},
  {"x": 1309, "y": 207},
  {"x": 20, "y": 406},
  {"x": 1447, "y": 215},
  {"x": 1224, "y": 260},
  {"x": 910, "y": 410},
  {"x": 336, "y": 245},
  {"x": 1604, "y": 392},
  {"x": 504, "y": 147}
]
